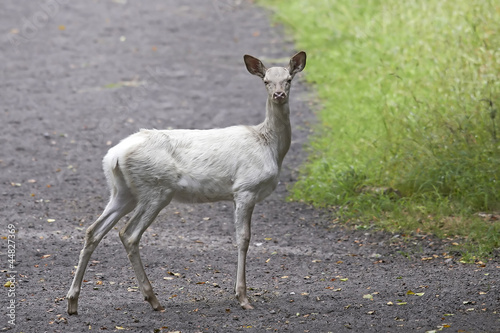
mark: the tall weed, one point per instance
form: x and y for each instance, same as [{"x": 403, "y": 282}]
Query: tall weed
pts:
[{"x": 410, "y": 93}]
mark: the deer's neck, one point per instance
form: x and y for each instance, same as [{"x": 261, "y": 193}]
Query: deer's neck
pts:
[{"x": 276, "y": 129}]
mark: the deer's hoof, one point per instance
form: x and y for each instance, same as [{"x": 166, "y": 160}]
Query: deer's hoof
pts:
[
  {"x": 72, "y": 308},
  {"x": 159, "y": 308},
  {"x": 156, "y": 305},
  {"x": 246, "y": 306}
]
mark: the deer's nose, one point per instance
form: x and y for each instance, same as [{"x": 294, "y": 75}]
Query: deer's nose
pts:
[{"x": 279, "y": 95}]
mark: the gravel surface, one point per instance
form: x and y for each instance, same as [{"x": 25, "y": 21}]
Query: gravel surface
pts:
[{"x": 78, "y": 76}]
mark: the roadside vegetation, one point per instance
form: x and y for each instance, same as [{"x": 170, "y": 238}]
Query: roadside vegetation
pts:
[{"x": 408, "y": 136}]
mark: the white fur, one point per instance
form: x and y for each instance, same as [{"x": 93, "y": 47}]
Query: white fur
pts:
[
  {"x": 194, "y": 164},
  {"x": 148, "y": 169}
]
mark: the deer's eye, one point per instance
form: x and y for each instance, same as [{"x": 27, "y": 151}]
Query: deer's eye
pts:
[{"x": 267, "y": 82}]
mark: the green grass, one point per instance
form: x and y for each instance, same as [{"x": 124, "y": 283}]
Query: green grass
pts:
[{"x": 409, "y": 93}]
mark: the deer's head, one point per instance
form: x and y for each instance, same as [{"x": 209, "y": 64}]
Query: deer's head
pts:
[{"x": 277, "y": 79}]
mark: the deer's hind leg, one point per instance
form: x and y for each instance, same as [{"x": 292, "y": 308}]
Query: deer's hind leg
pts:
[
  {"x": 131, "y": 235},
  {"x": 121, "y": 203}
]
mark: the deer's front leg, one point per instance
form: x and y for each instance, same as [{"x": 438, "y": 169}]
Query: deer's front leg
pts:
[{"x": 243, "y": 216}]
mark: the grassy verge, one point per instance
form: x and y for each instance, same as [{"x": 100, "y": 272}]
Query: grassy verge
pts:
[{"x": 408, "y": 136}]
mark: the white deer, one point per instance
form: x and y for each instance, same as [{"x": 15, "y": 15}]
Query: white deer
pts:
[{"x": 148, "y": 169}]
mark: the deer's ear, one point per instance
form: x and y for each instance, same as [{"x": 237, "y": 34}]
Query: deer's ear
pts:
[
  {"x": 297, "y": 63},
  {"x": 255, "y": 66}
]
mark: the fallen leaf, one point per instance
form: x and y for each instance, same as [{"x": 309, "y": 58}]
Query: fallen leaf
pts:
[
  {"x": 50, "y": 220},
  {"x": 368, "y": 296},
  {"x": 390, "y": 303},
  {"x": 46, "y": 256},
  {"x": 168, "y": 278},
  {"x": 344, "y": 279},
  {"x": 7, "y": 284},
  {"x": 62, "y": 27},
  {"x": 119, "y": 327},
  {"x": 409, "y": 292},
  {"x": 401, "y": 303},
  {"x": 285, "y": 277},
  {"x": 200, "y": 282}
]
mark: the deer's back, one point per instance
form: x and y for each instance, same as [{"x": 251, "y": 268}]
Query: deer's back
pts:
[{"x": 198, "y": 165}]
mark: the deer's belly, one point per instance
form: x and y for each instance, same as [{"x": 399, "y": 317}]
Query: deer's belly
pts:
[
  {"x": 191, "y": 189},
  {"x": 207, "y": 189}
]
